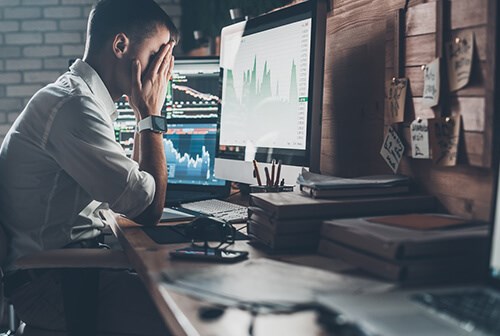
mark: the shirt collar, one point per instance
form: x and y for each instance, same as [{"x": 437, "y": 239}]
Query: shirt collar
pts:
[{"x": 96, "y": 85}]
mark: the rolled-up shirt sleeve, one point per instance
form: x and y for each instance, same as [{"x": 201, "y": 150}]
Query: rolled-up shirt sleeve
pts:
[{"x": 82, "y": 142}]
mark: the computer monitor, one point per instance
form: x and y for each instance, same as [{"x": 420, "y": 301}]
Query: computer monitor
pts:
[
  {"x": 193, "y": 92},
  {"x": 272, "y": 82},
  {"x": 190, "y": 144},
  {"x": 190, "y": 152},
  {"x": 192, "y": 95}
]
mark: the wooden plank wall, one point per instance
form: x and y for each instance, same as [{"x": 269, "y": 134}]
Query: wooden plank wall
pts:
[{"x": 360, "y": 57}]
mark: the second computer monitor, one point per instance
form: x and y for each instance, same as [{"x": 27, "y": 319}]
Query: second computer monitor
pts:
[
  {"x": 272, "y": 75},
  {"x": 193, "y": 91}
]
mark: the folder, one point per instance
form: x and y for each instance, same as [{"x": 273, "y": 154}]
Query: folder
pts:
[{"x": 324, "y": 186}]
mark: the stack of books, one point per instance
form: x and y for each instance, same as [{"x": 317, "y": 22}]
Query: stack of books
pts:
[
  {"x": 411, "y": 248},
  {"x": 291, "y": 220}
]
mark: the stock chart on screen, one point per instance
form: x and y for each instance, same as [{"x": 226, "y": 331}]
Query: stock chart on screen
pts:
[
  {"x": 190, "y": 153},
  {"x": 266, "y": 77}
]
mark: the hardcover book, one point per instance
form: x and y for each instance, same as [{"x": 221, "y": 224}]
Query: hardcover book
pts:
[{"x": 294, "y": 205}]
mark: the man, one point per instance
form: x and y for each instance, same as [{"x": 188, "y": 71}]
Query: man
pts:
[{"x": 60, "y": 163}]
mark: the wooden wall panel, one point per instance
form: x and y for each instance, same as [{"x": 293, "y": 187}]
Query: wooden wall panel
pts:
[
  {"x": 468, "y": 13},
  {"x": 360, "y": 58}
]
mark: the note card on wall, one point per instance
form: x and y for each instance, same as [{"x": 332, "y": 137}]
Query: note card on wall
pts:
[
  {"x": 430, "y": 96},
  {"x": 395, "y": 93},
  {"x": 392, "y": 149},
  {"x": 419, "y": 130},
  {"x": 459, "y": 55},
  {"x": 445, "y": 133}
]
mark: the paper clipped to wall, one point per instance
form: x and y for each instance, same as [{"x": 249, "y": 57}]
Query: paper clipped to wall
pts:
[
  {"x": 445, "y": 136},
  {"x": 395, "y": 93},
  {"x": 430, "y": 96},
  {"x": 392, "y": 149},
  {"x": 419, "y": 130},
  {"x": 459, "y": 54}
]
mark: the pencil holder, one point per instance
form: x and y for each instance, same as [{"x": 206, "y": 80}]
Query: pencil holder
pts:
[{"x": 264, "y": 189}]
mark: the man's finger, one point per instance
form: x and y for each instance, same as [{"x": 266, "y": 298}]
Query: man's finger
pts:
[
  {"x": 170, "y": 68},
  {"x": 160, "y": 57},
  {"x": 165, "y": 64},
  {"x": 136, "y": 74}
]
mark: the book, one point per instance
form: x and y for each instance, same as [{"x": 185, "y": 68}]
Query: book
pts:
[
  {"x": 422, "y": 221},
  {"x": 307, "y": 240},
  {"x": 398, "y": 243},
  {"x": 294, "y": 205},
  {"x": 424, "y": 270},
  {"x": 353, "y": 192},
  {"x": 316, "y": 185},
  {"x": 284, "y": 226}
]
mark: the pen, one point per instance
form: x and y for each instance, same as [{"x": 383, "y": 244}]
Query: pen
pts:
[
  {"x": 273, "y": 163},
  {"x": 278, "y": 173},
  {"x": 256, "y": 170},
  {"x": 268, "y": 178}
]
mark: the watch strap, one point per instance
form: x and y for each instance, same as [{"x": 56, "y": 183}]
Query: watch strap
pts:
[{"x": 147, "y": 124}]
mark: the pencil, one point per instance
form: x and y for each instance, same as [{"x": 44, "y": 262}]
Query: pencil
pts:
[
  {"x": 257, "y": 174},
  {"x": 268, "y": 178},
  {"x": 273, "y": 164},
  {"x": 278, "y": 173}
]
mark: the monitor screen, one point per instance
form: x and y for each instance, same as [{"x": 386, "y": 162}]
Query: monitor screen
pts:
[
  {"x": 193, "y": 92},
  {"x": 125, "y": 125},
  {"x": 272, "y": 71},
  {"x": 190, "y": 152}
]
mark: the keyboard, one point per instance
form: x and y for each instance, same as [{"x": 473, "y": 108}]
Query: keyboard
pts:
[
  {"x": 230, "y": 212},
  {"x": 473, "y": 308}
]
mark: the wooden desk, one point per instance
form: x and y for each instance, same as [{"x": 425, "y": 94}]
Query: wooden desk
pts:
[{"x": 180, "y": 312}]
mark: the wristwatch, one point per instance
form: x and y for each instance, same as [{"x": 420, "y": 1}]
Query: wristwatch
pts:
[{"x": 153, "y": 123}]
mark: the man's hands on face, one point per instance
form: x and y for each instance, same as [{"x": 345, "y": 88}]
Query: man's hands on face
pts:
[{"x": 148, "y": 91}]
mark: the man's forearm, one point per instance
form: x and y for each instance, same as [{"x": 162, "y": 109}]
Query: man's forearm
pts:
[
  {"x": 136, "y": 149},
  {"x": 152, "y": 160}
]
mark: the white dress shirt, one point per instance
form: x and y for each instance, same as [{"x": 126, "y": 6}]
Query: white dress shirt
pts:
[{"x": 60, "y": 162}]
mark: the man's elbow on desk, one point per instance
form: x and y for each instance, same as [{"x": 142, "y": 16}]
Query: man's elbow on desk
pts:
[
  {"x": 149, "y": 217},
  {"x": 141, "y": 203}
]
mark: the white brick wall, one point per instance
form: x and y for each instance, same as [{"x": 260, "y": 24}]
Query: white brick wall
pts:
[{"x": 37, "y": 38}]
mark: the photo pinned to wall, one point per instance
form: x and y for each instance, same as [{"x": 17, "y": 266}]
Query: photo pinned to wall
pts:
[
  {"x": 392, "y": 149},
  {"x": 444, "y": 139},
  {"x": 419, "y": 134},
  {"x": 432, "y": 79},
  {"x": 459, "y": 55},
  {"x": 395, "y": 100}
]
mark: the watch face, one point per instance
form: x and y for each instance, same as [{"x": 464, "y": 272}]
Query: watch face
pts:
[{"x": 160, "y": 124}]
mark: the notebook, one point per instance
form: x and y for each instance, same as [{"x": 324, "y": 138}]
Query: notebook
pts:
[{"x": 443, "y": 311}]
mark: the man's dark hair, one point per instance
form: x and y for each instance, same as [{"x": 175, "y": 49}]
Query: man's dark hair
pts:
[{"x": 138, "y": 19}]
